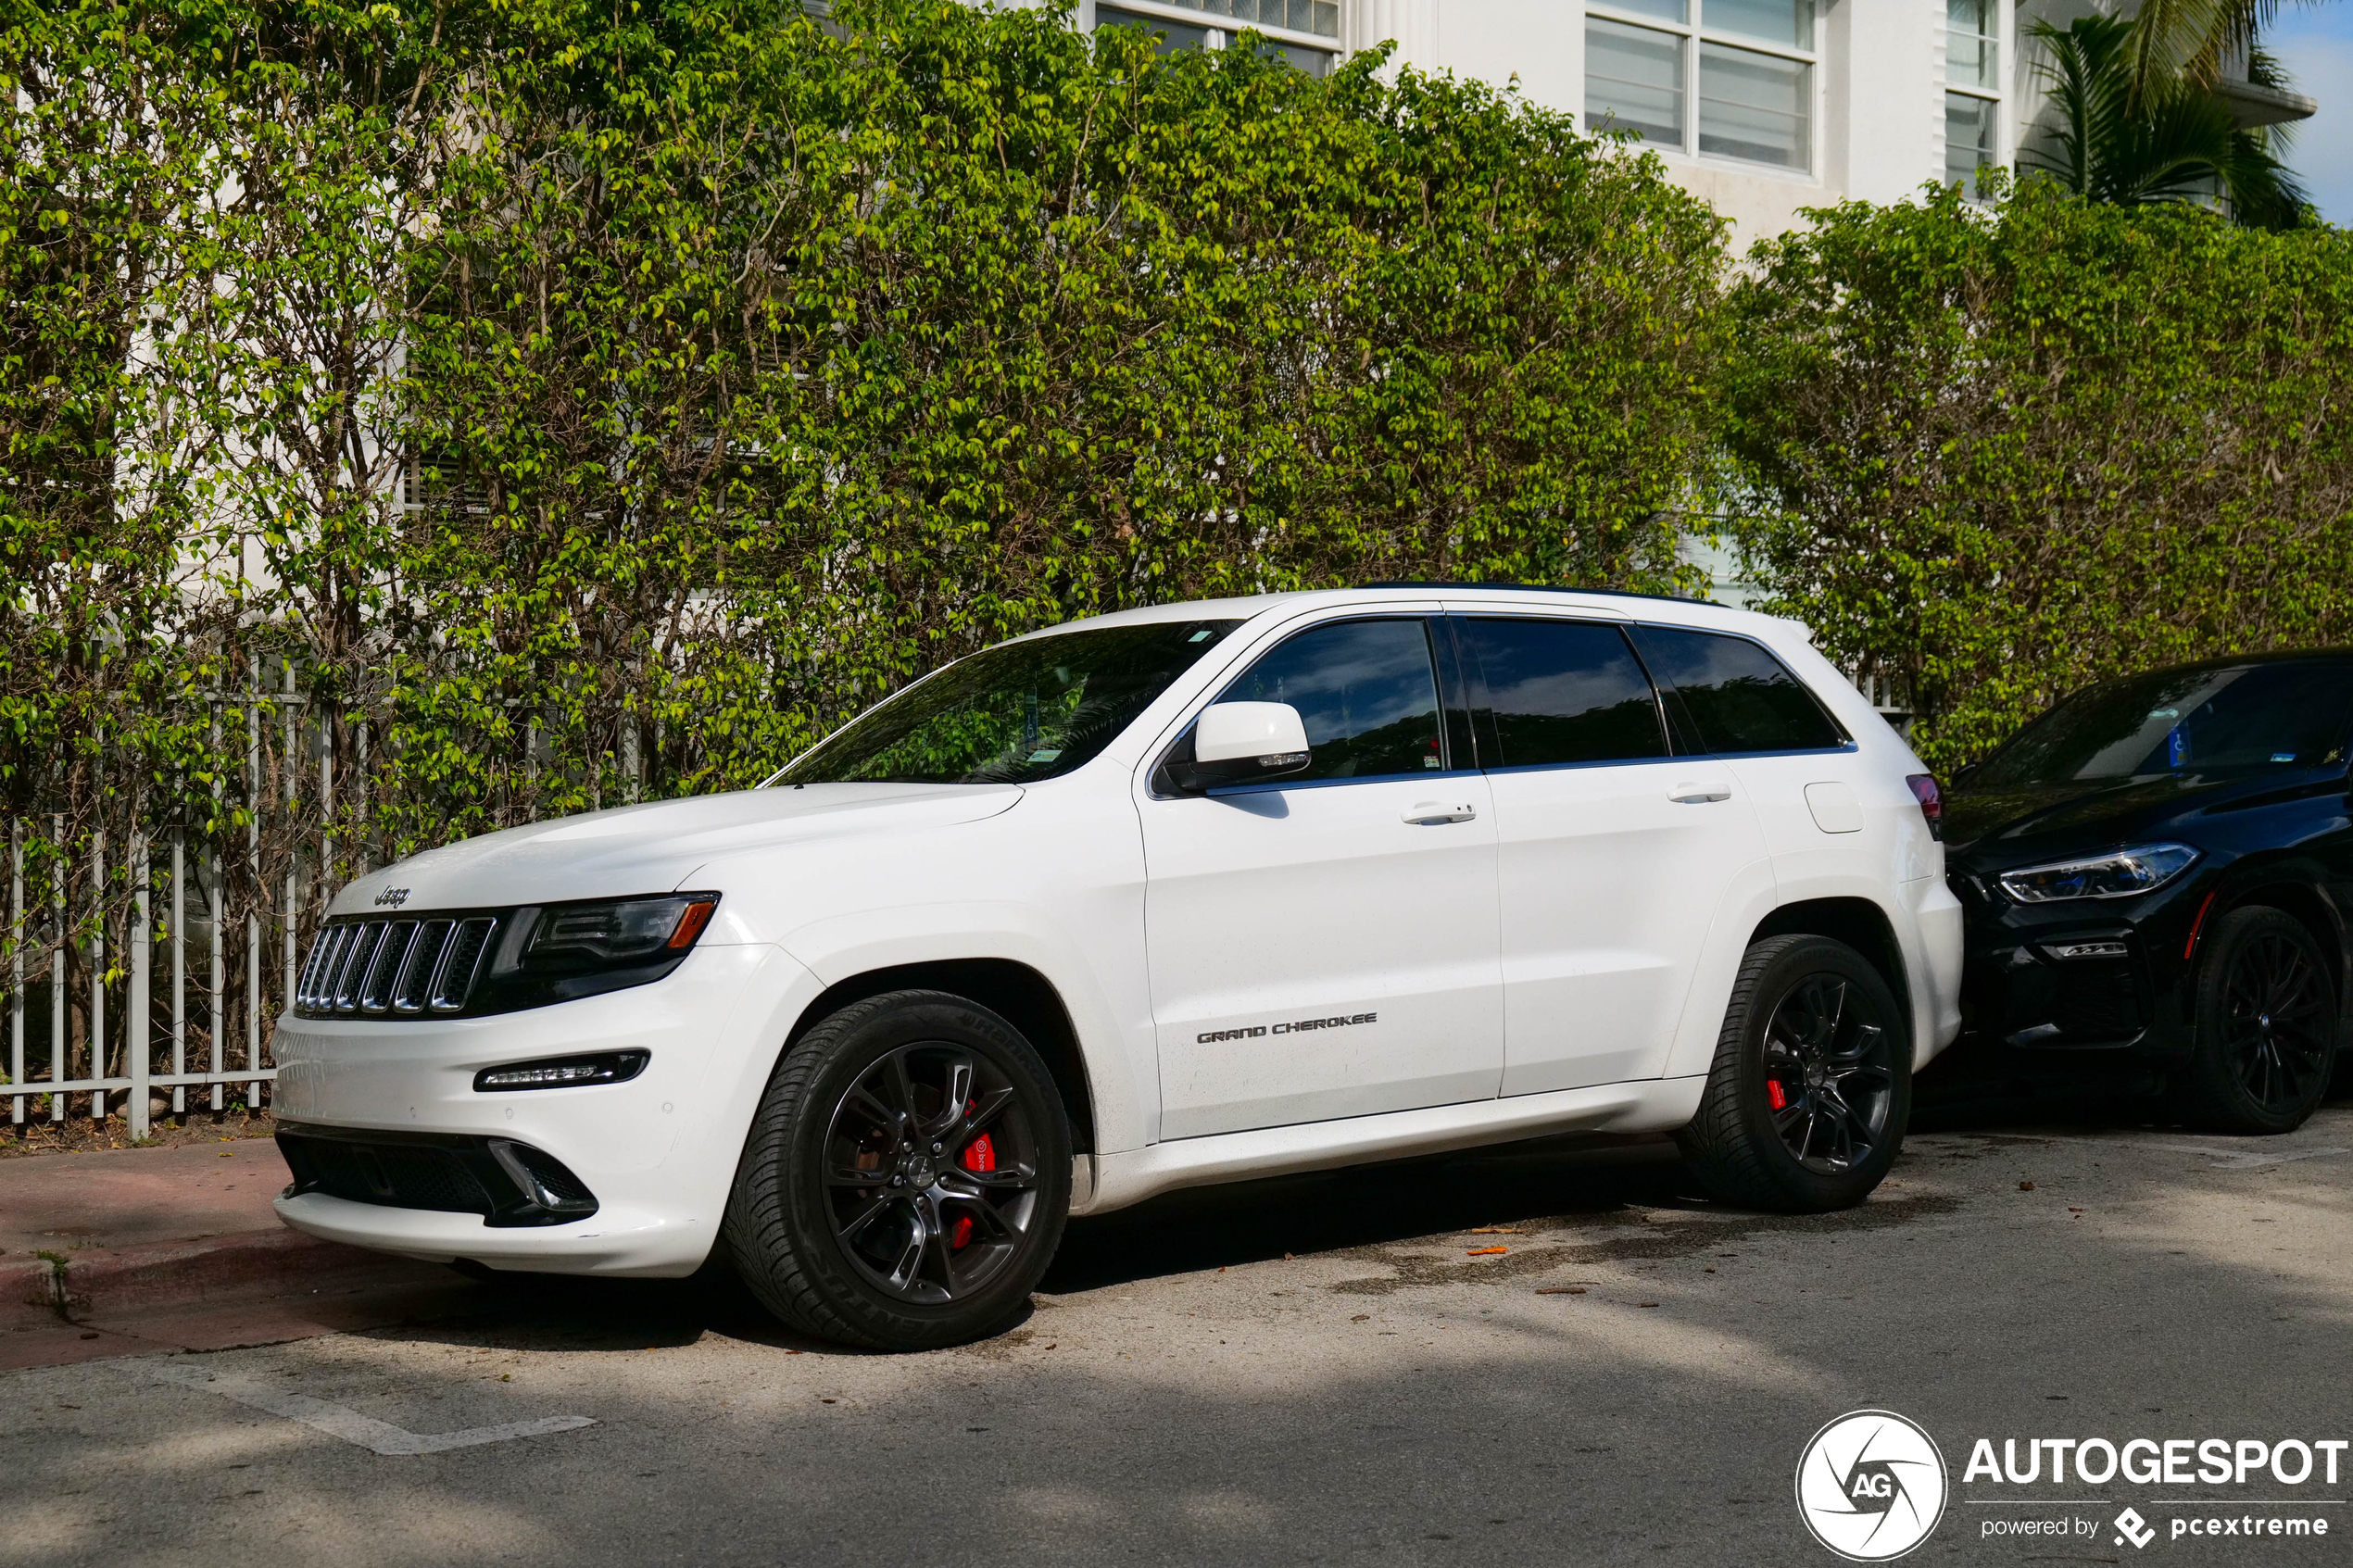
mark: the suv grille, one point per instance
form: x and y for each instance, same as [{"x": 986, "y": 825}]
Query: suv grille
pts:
[{"x": 418, "y": 964}]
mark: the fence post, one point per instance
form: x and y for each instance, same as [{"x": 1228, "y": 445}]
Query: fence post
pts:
[
  {"x": 136, "y": 1042},
  {"x": 253, "y": 870},
  {"x": 98, "y": 973},
  {"x": 58, "y": 966},
  {"x": 16, "y": 969},
  {"x": 178, "y": 968}
]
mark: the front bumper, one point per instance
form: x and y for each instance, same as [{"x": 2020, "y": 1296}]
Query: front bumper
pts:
[
  {"x": 2090, "y": 975},
  {"x": 654, "y": 1155}
]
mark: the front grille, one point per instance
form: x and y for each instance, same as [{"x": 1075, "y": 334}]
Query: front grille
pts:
[
  {"x": 506, "y": 1182},
  {"x": 411, "y": 965}
]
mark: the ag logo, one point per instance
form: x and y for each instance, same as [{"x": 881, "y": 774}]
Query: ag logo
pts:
[{"x": 1870, "y": 1486}]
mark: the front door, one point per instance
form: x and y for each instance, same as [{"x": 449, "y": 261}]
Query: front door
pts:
[
  {"x": 1616, "y": 853},
  {"x": 1324, "y": 946}
]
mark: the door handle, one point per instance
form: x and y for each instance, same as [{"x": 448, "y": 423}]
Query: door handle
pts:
[
  {"x": 1434, "y": 811},
  {"x": 1697, "y": 794}
]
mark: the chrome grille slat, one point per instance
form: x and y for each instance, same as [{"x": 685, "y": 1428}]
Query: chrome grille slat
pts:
[
  {"x": 454, "y": 982},
  {"x": 415, "y": 982},
  {"x": 392, "y": 951},
  {"x": 354, "y": 968}
]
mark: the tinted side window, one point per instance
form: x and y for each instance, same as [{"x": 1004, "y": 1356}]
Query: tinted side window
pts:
[
  {"x": 1368, "y": 692},
  {"x": 1740, "y": 697},
  {"x": 1564, "y": 690}
]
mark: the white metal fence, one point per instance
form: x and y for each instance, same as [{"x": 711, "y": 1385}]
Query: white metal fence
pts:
[{"x": 153, "y": 932}]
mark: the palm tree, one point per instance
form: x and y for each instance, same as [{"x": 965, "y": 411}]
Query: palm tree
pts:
[
  {"x": 2129, "y": 133},
  {"x": 2187, "y": 42}
]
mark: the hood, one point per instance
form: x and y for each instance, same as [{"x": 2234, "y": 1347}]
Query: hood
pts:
[
  {"x": 2005, "y": 826},
  {"x": 657, "y": 847}
]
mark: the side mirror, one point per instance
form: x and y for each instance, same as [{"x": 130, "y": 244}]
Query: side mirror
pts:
[{"x": 1243, "y": 742}]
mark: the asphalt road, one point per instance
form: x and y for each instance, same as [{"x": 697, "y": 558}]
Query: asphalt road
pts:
[{"x": 1307, "y": 1371}]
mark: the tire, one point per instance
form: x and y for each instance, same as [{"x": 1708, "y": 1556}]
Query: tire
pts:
[
  {"x": 1811, "y": 1088},
  {"x": 963, "y": 1210},
  {"x": 2264, "y": 1029}
]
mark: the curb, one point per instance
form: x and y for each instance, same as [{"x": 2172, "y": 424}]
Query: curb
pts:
[{"x": 259, "y": 1274}]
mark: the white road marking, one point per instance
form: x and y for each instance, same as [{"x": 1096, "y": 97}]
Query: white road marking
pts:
[
  {"x": 2247, "y": 1159},
  {"x": 377, "y": 1436}
]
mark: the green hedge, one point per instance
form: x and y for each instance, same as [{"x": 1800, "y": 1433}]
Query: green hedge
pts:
[
  {"x": 1996, "y": 454},
  {"x": 754, "y": 367}
]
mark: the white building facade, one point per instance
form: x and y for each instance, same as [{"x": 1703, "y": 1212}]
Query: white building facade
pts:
[{"x": 1762, "y": 107}]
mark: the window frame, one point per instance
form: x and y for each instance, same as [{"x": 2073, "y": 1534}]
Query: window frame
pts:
[
  {"x": 1482, "y": 710},
  {"x": 1695, "y": 32},
  {"x": 1995, "y": 96},
  {"x": 1225, "y": 37},
  {"x": 1454, "y": 731},
  {"x": 1685, "y": 731}
]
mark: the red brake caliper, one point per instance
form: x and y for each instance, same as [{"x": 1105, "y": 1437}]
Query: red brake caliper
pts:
[
  {"x": 978, "y": 1155},
  {"x": 1776, "y": 1094}
]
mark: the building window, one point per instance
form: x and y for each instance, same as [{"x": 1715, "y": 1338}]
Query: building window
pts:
[
  {"x": 1303, "y": 31},
  {"x": 1973, "y": 89},
  {"x": 1745, "y": 67}
]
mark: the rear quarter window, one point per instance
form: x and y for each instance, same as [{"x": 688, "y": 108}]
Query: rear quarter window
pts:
[{"x": 1735, "y": 694}]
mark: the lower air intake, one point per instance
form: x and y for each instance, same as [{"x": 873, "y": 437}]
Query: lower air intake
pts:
[{"x": 505, "y": 1182}]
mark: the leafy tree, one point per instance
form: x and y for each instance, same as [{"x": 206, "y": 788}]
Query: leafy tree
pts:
[{"x": 1994, "y": 456}]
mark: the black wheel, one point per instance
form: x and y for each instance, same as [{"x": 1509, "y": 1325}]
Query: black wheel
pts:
[
  {"x": 906, "y": 1178},
  {"x": 1811, "y": 1088},
  {"x": 2265, "y": 1027}
]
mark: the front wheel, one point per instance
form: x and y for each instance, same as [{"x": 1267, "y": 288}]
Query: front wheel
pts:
[
  {"x": 907, "y": 1176},
  {"x": 2266, "y": 1025},
  {"x": 1811, "y": 1088}
]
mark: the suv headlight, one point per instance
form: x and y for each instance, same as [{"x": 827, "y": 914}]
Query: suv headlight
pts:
[
  {"x": 617, "y": 930},
  {"x": 2120, "y": 873}
]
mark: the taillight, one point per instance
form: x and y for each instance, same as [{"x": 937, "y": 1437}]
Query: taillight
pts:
[{"x": 1932, "y": 802}]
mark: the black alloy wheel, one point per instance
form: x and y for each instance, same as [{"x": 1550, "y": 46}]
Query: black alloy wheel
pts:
[
  {"x": 906, "y": 1177},
  {"x": 1807, "y": 1102},
  {"x": 931, "y": 1170},
  {"x": 2266, "y": 1025},
  {"x": 1828, "y": 1079}
]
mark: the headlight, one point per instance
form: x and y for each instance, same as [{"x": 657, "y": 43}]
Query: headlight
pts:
[
  {"x": 2119, "y": 875},
  {"x": 619, "y": 930}
]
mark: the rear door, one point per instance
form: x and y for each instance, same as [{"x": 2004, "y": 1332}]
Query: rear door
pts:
[
  {"x": 1615, "y": 852},
  {"x": 1824, "y": 827},
  {"x": 1324, "y": 946}
]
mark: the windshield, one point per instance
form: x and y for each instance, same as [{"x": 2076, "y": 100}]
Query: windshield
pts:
[
  {"x": 2181, "y": 720},
  {"x": 1014, "y": 713}
]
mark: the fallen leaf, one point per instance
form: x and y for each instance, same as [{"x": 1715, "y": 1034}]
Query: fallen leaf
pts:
[
  {"x": 825, "y": 1401},
  {"x": 1286, "y": 1257},
  {"x": 1646, "y": 1303},
  {"x": 228, "y": 1154},
  {"x": 1561, "y": 1290},
  {"x": 2072, "y": 1209},
  {"x": 1494, "y": 1230},
  {"x": 1485, "y": 1251},
  {"x": 1362, "y": 1317},
  {"x": 2026, "y": 1186}
]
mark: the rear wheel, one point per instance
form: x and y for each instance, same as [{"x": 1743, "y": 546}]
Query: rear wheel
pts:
[
  {"x": 2266, "y": 1025},
  {"x": 1807, "y": 1102},
  {"x": 907, "y": 1176}
]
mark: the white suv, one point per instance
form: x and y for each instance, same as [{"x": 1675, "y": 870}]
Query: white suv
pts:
[{"x": 1171, "y": 897}]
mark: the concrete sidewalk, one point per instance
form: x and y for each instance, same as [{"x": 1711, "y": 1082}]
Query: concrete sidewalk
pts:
[{"x": 123, "y": 1250}]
